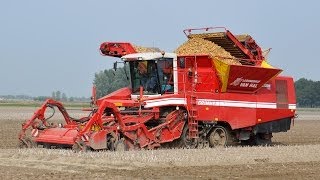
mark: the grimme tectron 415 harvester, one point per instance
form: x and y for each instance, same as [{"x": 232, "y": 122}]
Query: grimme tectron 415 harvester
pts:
[{"x": 186, "y": 100}]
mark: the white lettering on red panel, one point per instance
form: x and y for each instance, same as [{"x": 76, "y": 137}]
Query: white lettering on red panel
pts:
[{"x": 251, "y": 83}]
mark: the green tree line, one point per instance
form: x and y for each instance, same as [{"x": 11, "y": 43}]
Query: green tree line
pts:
[
  {"x": 57, "y": 95},
  {"x": 107, "y": 81},
  {"x": 308, "y": 93}
]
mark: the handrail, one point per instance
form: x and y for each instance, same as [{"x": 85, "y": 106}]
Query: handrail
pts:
[{"x": 189, "y": 31}]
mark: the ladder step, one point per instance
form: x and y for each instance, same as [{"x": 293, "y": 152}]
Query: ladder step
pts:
[{"x": 193, "y": 114}]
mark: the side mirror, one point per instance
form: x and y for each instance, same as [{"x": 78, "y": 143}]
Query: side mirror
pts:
[{"x": 115, "y": 64}]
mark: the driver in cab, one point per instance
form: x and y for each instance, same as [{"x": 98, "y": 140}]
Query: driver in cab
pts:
[{"x": 147, "y": 79}]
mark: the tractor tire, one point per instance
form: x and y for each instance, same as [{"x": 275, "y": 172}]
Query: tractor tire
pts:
[{"x": 220, "y": 137}]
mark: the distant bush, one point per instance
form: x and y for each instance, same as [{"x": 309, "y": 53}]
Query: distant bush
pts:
[
  {"x": 108, "y": 81},
  {"x": 308, "y": 93}
]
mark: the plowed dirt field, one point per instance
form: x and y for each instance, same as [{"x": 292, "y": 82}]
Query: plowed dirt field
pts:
[{"x": 294, "y": 155}]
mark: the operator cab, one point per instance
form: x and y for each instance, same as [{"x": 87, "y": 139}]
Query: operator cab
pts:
[{"x": 154, "y": 71}]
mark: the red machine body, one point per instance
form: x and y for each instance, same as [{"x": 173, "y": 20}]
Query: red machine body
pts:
[
  {"x": 181, "y": 101},
  {"x": 252, "y": 95}
]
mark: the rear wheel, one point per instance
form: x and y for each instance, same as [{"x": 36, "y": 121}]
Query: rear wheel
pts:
[
  {"x": 219, "y": 137},
  {"x": 263, "y": 139},
  {"x": 260, "y": 139}
]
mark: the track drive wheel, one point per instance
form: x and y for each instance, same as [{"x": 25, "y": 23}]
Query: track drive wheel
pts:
[
  {"x": 121, "y": 145},
  {"x": 219, "y": 137},
  {"x": 26, "y": 143}
]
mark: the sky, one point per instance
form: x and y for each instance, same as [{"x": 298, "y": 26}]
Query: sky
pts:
[{"x": 47, "y": 46}]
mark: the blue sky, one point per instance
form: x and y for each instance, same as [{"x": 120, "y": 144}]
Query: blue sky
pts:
[{"x": 53, "y": 45}]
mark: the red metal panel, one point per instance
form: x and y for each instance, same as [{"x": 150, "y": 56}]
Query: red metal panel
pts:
[
  {"x": 265, "y": 115},
  {"x": 282, "y": 94},
  {"x": 57, "y": 136},
  {"x": 267, "y": 93},
  {"x": 98, "y": 140},
  {"x": 248, "y": 78},
  {"x": 208, "y": 110},
  {"x": 238, "y": 117},
  {"x": 290, "y": 88}
]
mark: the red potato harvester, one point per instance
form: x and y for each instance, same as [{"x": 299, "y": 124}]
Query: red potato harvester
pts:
[{"x": 189, "y": 101}]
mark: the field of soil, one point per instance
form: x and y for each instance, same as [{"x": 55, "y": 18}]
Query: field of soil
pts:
[{"x": 294, "y": 155}]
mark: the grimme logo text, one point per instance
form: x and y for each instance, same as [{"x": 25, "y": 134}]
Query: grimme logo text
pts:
[{"x": 251, "y": 83}]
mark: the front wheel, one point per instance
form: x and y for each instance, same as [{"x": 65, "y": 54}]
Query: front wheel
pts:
[{"x": 219, "y": 137}]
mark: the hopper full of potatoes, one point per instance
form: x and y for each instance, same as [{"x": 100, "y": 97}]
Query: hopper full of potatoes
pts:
[
  {"x": 197, "y": 45},
  {"x": 228, "y": 68},
  {"x": 142, "y": 49}
]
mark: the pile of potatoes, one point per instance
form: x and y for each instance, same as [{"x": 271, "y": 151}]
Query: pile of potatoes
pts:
[
  {"x": 141, "y": 49},
  {"x": 207, "y": 35},
  {"x": 196, "y": 45}
]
